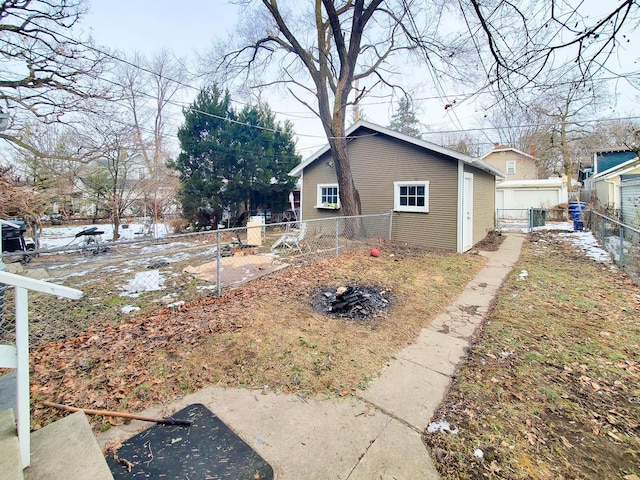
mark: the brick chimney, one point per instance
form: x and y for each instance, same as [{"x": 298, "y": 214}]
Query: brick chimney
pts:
[
  {"x": 496, "y": 145},
  {"x": 532, "y": 150}
]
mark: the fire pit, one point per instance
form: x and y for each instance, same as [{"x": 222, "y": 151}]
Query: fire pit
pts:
[{"x": 357, "y": 302}]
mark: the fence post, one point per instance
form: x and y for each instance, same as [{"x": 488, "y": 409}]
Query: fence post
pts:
[
  {"x": 337, "y": 237},
  {"x": 390, "y": 223},
  {"x": 530, "y": 219},
  {"x": 621, "y": 247},
  {"x": 3, "y": 288},
  {"x": 218, "y": 266}
]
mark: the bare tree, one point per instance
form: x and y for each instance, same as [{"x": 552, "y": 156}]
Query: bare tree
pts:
[
  {"x": 48, "y": 75},
  {"x": 322, "y": 48},
  {"x": 53, "y": 177},
  {"x": 48, "y": 84},
  {"x": 150, "y": 87},
  {"x": 528, "y": 40},
  {"x": 347, "y": 42},
  {"x": 458, "y": 141},
  {"x": 115, "y": 181}
]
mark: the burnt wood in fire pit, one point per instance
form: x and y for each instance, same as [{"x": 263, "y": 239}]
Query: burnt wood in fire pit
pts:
[{"x": 352, "y": 302}]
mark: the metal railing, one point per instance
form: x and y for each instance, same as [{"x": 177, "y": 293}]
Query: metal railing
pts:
[{"x": 17, "y": 356}]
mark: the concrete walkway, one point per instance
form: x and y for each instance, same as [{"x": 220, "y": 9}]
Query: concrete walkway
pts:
[{"x": 376, "y": 433}]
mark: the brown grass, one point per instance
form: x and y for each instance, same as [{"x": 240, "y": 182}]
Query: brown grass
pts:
[
  {"x": 265, "y": 335},
  {"x": 550, "y": 389}
]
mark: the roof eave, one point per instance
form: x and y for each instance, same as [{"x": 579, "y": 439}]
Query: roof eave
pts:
[{"x": 475, "y": 162}]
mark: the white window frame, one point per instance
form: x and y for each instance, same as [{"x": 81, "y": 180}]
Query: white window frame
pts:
[
  {"x": 411, "y": 208},
  {"x": 511, "y": 167},
  {"x": 327, "y": 205}
]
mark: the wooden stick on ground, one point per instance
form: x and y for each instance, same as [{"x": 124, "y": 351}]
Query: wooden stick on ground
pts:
[{"x": 107, "y": 413}]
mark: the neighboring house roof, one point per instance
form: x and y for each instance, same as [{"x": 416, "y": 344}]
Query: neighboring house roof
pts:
[
  {"x": 618, "y": 169},
  {"x": 607, "y": 159},
  {"x": 476, "y": 162},
  {"x": 505, "y": 148}
]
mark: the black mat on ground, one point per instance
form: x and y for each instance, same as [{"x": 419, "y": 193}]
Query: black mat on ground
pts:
[{"x": 207, "y": 449}]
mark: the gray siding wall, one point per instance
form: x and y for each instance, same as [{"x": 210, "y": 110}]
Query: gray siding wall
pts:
[
  {"x": 630, "y": 202},
  {"x": 484, "y": 203},
  {"x": 376, "y": 162}
]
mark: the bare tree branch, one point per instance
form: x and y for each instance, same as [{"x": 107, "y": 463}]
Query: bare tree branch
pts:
[{"x": 49, "y": 75}]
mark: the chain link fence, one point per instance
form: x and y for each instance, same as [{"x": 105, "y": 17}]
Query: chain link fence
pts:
[
  {"x": 620, "y": 240},
  {"x": 147, "y": 274},
  {"x": 530, "y": 219}
]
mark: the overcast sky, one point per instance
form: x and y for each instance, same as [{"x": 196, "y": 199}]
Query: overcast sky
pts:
[
  {"x": 191, "y": 26},
  {"x": 150, "y": 25}
]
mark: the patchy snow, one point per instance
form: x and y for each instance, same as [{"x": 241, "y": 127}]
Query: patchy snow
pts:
[
  {"x": 147, "y": 249},
  {"x": 129, "y": 309},
  {"x": 441, "y": 426},
  {"x": 478, "y": 453},
  {"x": 207, "y": 287},
  {"x": 586, "y": 242},
  {"x": 523, "y": 275},
  {"x": 55, "y": 237},
  {"x": 78, "y": 274},
  {"x": 612, "y": 245},
  {"x": 144, "y": 282},
  {"x": 523, "y": 226},
  {"x": 176, "y": 304}
]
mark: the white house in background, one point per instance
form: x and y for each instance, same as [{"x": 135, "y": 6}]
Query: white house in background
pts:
[
  {"x": 522, "y": 189},
  {"x": 521, "y": 195}
]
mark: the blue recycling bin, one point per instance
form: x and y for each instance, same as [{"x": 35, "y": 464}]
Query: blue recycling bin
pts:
[
  {"x": 575, "y": 212},
  {"x": 576, "y": 209}
]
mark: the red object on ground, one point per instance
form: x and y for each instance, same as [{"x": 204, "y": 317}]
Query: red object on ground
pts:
[{"x": 375, "y": 252}]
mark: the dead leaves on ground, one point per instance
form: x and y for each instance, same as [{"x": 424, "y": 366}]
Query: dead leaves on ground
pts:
[
  {"x": 551, "y": 384},
  {"x": 250, "y": 336}
]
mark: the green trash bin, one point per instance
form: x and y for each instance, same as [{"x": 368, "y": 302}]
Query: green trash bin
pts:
[{"x": 538, "y": 217}]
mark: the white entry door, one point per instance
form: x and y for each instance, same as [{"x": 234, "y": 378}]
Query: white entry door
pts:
[{"x": 467, "y": 212}]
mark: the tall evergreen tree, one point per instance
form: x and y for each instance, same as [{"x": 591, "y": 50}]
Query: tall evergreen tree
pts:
[
  {"x": 404, "y": 119},
  {"x": 230, "y": 159}
]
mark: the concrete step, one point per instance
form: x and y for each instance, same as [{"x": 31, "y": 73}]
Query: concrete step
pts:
[
  {"x": 9, "y": 448},
  {"x": 67, "y": 450}
]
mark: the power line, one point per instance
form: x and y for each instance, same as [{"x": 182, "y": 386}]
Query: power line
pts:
[{"x": 441, "y": 96}]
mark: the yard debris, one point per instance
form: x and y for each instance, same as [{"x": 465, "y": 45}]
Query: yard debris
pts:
[
  {"x": 249, "y": 335},
  {"x": 358, "y": 302},
  {"x": 130, "y": 416}
]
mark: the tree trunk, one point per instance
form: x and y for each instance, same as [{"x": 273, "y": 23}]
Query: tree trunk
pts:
[
  {"x": 116, "y": 220},
  {"x": 349, "y": 198},
  {"x": 566, "y": 158}
]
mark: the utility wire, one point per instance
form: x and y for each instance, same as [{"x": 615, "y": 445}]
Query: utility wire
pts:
[{"x": 441, "y": 96}]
